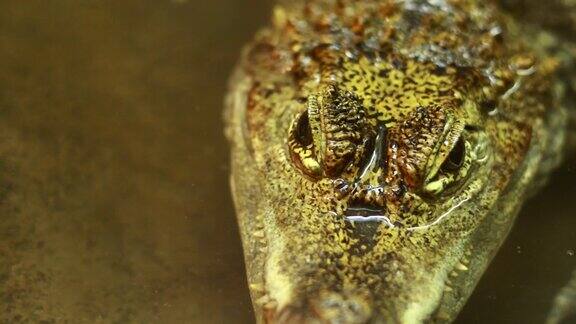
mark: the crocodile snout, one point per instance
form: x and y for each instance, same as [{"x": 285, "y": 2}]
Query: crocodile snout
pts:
[{"x": 327, "y": 308}]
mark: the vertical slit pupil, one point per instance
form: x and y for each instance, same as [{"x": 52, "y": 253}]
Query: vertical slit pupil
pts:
[
  {"x": 303, "y": 130},
  {"x": 456, "y": 157}
]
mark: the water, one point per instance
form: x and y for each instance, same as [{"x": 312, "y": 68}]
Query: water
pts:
[{"x": 114, "y": 202}]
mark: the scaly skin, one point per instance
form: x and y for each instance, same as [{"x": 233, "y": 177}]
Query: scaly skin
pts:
[{"x": 380, "y": 153}]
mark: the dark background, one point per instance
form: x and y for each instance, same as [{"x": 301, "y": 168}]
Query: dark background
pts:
[{"x": 114, "y": 201}]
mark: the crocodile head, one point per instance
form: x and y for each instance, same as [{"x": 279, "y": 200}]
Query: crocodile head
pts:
[{"x": 376, "y": 188}]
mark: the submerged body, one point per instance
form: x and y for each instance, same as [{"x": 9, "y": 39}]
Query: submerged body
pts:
[{"x": 380, "y": 153}]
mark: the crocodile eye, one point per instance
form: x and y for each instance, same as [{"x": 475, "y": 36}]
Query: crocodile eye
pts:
[
  {"x": 455, "y": 159},
  {"x": 301, "y": 146},
  {"x": 453, "y": 170},
  {"x": 324, "y": 139}
]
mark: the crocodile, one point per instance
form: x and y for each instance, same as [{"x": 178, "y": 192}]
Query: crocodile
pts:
[{"x": 381, "y": 150}]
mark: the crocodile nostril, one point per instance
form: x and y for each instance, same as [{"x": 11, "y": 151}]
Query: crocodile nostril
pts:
[{"x": 343, "y": 187}]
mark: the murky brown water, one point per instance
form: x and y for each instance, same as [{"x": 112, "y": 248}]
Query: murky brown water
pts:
[{"x": 114, "y": 202}]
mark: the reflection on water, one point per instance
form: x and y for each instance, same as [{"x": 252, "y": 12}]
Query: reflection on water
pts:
[{"x": 114, "y": 202}]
